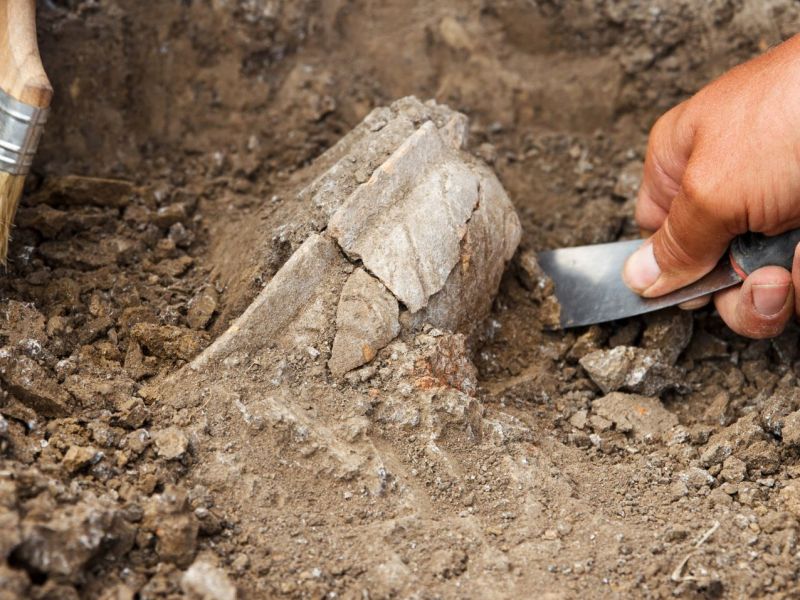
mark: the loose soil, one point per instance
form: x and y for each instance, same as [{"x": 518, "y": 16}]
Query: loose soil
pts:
[{"x": 177, "y": 125}]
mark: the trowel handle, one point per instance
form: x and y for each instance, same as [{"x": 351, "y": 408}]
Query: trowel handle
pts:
[{"x": 752, "y": 251}]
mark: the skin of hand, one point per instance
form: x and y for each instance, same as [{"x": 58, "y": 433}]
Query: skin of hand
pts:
[{"x": 722, "y": 163}]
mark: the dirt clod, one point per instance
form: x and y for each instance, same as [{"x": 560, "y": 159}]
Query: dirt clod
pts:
[{"x": 645, "y": 418}]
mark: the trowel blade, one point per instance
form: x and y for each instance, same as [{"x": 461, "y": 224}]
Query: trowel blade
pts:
[{"x": 589, "y": 287}]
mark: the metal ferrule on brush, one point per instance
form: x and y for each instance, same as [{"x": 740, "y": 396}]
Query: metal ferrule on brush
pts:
[{"x": 21, "y": 127}]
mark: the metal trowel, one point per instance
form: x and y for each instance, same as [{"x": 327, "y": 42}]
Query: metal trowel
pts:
[{"x": 589, "y": 286}]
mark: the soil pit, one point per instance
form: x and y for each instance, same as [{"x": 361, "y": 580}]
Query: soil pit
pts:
[{"x": 651, "y": 457}]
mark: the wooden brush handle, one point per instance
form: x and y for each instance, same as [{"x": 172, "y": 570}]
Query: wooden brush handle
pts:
[{"x": 22, "y": 75}]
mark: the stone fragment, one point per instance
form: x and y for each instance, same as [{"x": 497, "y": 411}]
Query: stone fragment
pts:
[
  {"x": 315, "y": 268},
  {"x": 645, "y": 418},
  {"x": 24, "y": 327},
  {"x": 170, "y": 443},
  {"x": 717, "y": 412},
  {"x": 587, "y": 342},
  {"x": 791, "y": 429},
  {"x": 631, "y": 369},
  {"x": 733, "y": 438},
  {"x": 406, "y": 223},
  {"x": 132, "y": 413},
  {"x": 531, "y": 275},
  {"x": 62, "y": 542},
  {"x": 777, "y": 408},
  {"x": 170, "y": 517},
  {"x": 600, "y": 424},
  {"x": 430, "y": 223},
  {"x": 169, "y": 341},
  {"x": 628, "y": 180},
  {"x": 170, "y": 214},
  {"x": 695, "y": 477},
  {"x": 412, "y": 223},
  {"x": 137, "y": 441},
  {"x": 578, "y": 420},
  {"x": 32, "y": 385},
  {"x": 366, "y": 320},
  {"x": 204, "y": 581},
  {"x": 137, "y": 364},
  {"x": 761, "y": 457},
  {"x": 201, "y": 307},
  {"x": 173, "y": 267},
  {"x": 492, "y": 235},
  {"x": 790, "y": 495},
  {"x": 733, "y": 470},
  {"x": 78, "y": 457},
  {"x": 668, "y": 331},
  {"x": 94, "y": 389}
]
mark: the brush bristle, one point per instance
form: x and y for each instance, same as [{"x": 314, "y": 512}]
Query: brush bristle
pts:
[{"x": 10, "y": 192}]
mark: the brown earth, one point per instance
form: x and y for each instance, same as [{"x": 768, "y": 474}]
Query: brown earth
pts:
[{"x": 391, "y": 483}]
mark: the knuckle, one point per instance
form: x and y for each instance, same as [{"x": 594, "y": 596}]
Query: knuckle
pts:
[{"x": 698, "y": 188}]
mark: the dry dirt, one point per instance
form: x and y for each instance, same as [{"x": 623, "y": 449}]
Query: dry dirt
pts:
[{"x": 422, "y": 475}]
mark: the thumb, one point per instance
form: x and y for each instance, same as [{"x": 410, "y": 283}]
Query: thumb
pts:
[{"x": 688, "y": 245}]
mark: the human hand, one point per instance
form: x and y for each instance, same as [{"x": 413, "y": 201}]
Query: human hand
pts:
[{"x": 722, "y": 163}]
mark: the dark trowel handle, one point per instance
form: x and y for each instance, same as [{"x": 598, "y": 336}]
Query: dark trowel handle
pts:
[{"x": 752, "y": 251}]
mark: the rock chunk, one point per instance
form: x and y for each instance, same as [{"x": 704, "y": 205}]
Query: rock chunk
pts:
[
  {"x": 69, "y": 537},
  {"x": 31, "y": 384},
  {"x": 491, "y": 238},
  {"x": 790, "y": 495},
  {"x": 314, "y": 272},
  {"x": 78, "y": 457},
  {"x": 645, "y": 418},
  {"x": 733, "y": 438},
  {"x": 169, "y": 516},
  {"x": 201, "y": 307},
  {"x": 426, "y": 210},
  {"x": 791, "y": 429},
  {"x": 631, "y": 369},
  {"x": 366, "y": 320},
  {"x": 431, "y": 225},
  {"x": 669, "y": 332},
  {"x": 407, "y": 221},
  {"x": 204, "y": 581},
  {"x": 734, "y": 470},
  {"x": 776, "y": 410},
  {"x": 171, "y": 443}
]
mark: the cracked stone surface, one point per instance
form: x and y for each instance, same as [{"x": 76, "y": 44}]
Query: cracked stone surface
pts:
[
  {"x": 366, "y": 320},
  {"x": 406, "y": 223},
  {"x": 631, "y": 369},
  {"x": 431, "y": 225}
]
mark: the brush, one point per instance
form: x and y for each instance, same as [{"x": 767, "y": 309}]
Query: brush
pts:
[{"x": 25, "y": 95}]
